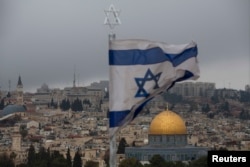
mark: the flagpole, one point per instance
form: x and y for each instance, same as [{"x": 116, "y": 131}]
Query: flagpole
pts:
[
  {"x": 112, "y": 152},
  {"x": 112, "y": 22},
  {"x": 112, "y": 143}
]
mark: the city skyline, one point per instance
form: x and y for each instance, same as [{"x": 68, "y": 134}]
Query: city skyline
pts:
[
  {"x": 44, "y": 41},
  {"x": 101, "y": 83}
]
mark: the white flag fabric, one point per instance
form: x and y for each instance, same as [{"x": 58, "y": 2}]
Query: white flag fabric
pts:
[{"x": 142, "y": 69}]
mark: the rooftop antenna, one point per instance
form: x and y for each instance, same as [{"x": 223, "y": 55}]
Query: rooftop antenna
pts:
[{"x": 78, "y": 76}]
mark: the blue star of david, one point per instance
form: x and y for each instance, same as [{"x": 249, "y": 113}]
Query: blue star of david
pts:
[{"x": 149, "y": 76}]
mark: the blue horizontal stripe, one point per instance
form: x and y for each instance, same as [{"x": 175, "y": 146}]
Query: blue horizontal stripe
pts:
[
  {"x": 116, "y": 117},
  {"x": 149, "y": 56}
]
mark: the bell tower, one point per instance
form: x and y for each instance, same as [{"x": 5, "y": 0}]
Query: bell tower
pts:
[{"x": 19, "y": 91}]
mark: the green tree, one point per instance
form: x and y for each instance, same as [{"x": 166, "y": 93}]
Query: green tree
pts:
[
  {"x": 130, "y": 162},
  {"x": 200, "y": 162},
  {"x": 68, "y": 157},
  {"x": 68, "y": 104},
  {"x": 86, "y": 101},
  {"x": 2, "y": 104},
  {"x": 21, "y": 165},
  {"x": 13, "y": 155},
  {"x": 146, "y": 165},
  {"x": 65, "y": 105},
  {"x": 59, "y": 161},
  {"x": 6, "y": 161},
  {"x": 31, "y": 156},
  {"x": 77, "y": 105},
  {"x": 179, "y": 164},
  {"x": 91, "y": 164},
  {"x": 215, "y": 98},
  {"x": 52, "y": 103},
  {"x": 23, "y": 131},
  {"x": 41, "y": 158},
  {"x": 193, "y": 107},
  {"x": 205, "y": 108},
  {"x": 171, "y": 164},
  {"x": 225, "y": 106},
  {"x": 77, "y": 160},
  {"x": 121, "y": 146},
  {"x": 223, "y": 149},
  {"x": 48, "y": 157},
  {"x": 244, "y": 115},
  {"x": 157, "y": 161},
  {"x": 244, "y": 97},
  {"x": 106, "y": 157}
]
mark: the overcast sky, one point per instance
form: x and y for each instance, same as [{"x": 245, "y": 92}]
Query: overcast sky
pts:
[{"x": 43, "y": 40}]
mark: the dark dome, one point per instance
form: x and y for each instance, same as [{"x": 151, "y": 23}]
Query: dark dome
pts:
[{"x": 10, "y": 109}]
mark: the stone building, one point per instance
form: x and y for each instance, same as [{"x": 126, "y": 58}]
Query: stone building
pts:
[
  {"x": 194, "y": 89},
  {"x": 168, "y": 138}
]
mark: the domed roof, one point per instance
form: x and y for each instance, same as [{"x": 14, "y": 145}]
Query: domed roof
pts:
[
  {"x": 10, "y": 109},
  {"x": 167, "y": 123}
]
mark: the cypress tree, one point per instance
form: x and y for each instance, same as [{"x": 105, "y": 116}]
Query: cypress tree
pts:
[
  {"x": 31, "y": 156},
  {"x": 2, "y": 104},
  {"x": 77, "y": 160},
  {"x": 6, "y": 161},
  {"x": 69, "y": 163},
  {"x": 121, "y": 146}
]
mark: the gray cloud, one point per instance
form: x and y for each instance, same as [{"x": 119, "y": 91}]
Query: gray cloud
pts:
[{"x": 43, "y": 40}]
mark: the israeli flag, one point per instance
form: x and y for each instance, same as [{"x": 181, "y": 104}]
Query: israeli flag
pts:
[{"x": 142, "y": 69}]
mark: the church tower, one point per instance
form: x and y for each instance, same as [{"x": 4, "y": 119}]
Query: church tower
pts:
[{"x": 19, "y": 91}]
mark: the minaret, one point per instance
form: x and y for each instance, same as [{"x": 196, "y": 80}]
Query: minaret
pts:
[
  {"x": 74, "y": 81},
  {"x": 16, "y": 139},
  {"x": 19, "y": 91}
]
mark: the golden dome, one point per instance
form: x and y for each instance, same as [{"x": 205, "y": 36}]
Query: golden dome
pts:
[{"x": 167, "y": 123}]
